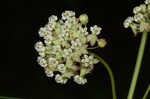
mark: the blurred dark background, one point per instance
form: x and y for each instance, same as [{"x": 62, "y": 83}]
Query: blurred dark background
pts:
[{"x": 21, "y": 76}]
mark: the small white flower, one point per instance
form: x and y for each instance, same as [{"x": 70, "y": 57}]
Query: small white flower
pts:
[
  {"x": 51, "y": 26},
  {"x": 61, "y": 68},
  {"x": 39, "y": 47},
  {"x": 42, "y": 54},
  {"x": 59, "y": 55},
  {"x": 48, "y": 37},
  {"x": 147, "y": 1},
  {"x": 128, "y": 21},
  {"x": 47, "y": 42},
  {"x": 136, "y": 10},
  {"x": 76, "y": 44},
  {"x": 67, "y": 25},
  {"x": 95, "y": 29},
  {"x": 80, "y": 80},
  {"x": 86, "y": 64},
  {"x": 67, "y": 14},
  {"x": 86, "y": 33},
  {"x": 53, "y": 18},
  {"x": 53, "y": 61},
  {"x": 57, "y": 48},
  {"x": 49, "y": 73},
  {"x": 83, "y": 30},
  {"x": 138, "y": 17},
  {"x": 42, "y": 32},
  {"x": 42, "y": 62},
  {"x": 67, "y": 52},
  {"x": 88, "y": 60},
  {"x": 60, "y": 79}
]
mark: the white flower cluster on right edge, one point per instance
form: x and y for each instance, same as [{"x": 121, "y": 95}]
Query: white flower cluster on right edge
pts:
[
  {"x": 140, "y": 22},
  {"x": 64, "y": 52}
]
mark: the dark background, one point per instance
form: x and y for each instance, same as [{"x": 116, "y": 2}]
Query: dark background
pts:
[{"x": 21, "y": 76}]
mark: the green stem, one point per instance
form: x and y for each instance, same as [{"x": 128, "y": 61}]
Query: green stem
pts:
[
  {"x": 4, "y": 97},
  {"x": 146, "y": 93},
  {"x": 93, "y": 47},
  {"x": 110, "y": 74},
  {"x": 137, "y": 66}
]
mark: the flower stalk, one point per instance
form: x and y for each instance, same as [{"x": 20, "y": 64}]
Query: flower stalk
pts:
[
  {"x": 109, "y": 72},
  {"x": 137, "y": 66}
]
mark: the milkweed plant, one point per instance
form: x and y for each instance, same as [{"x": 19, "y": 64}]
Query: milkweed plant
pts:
[{"x": 64, "y": 52}]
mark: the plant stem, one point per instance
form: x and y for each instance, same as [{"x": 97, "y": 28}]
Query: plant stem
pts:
[
  {"x": 93, "y": 47},
  {"x": 109, "y": 72},
  {"x": 138, "y": 65},
  {"x": 4, "y": 97},
  {"x": 146, "y": 93}
]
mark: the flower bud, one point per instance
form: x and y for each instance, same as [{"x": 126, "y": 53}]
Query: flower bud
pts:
[
  {"x": 102, "y": 43},
  {"x": 83, "y": 19}
]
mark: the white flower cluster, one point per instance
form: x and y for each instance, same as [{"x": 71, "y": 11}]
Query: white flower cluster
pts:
[
  {"x": 140, "y": 21},
  {"x": 64, "y": 51}
]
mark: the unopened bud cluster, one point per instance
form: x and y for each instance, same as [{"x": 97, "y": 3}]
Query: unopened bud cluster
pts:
[
  {"x": 63, "y": 53},
  {"x": 140, "y": 22}
]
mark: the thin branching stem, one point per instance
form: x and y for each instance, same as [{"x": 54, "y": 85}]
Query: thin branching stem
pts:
[
  {"x": 146, "y": 92},
  {"x": 110, "y": 74}
]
